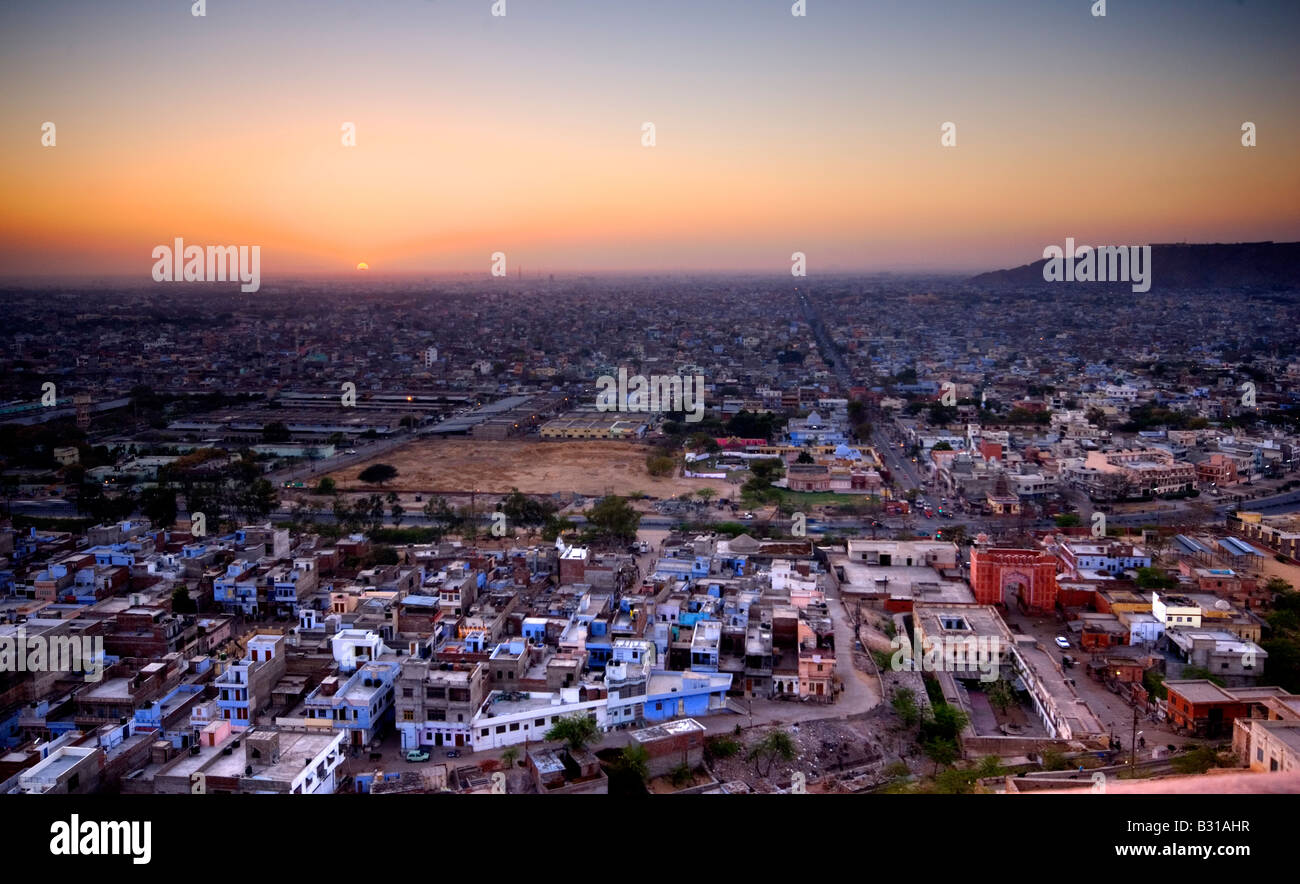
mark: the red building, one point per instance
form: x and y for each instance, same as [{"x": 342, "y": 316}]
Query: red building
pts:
[
  {"x": 1024, "y": 576},
  {"x": 1203, "y": 708}
]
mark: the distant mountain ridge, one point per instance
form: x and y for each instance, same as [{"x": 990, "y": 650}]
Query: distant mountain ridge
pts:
[{"x": 1188, "y": 265}]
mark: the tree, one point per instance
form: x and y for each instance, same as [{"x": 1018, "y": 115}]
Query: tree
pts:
[
  {"x": 182, "y": 603},
  {"x": 941, "y": 750},
  {"x": 510, "y": 756},
  {"x": 1154, "y": 578},
  {"x": 554, "y": 527},
  {"x": 397, "y": 512},
  {"x": 904, "y": 704},
  {"x": 377, "y": 474},
  {"x": 576, "y": 731},
  {"x": 375, "y": 511},
  {"x": 703, "y": 442},
  {"x": 275, "y": 432},
  {"x": 705, "y": 494},
  {"x": 159, "y": 505},
  {"x": 660, "y": 465},
  {"x": 804, "y": 457},
  {"x": 775, "y": 744},
  {"x": 613, "y": 519},
  {"x": 526, "y": 511},
  {"x": 326, "y": 486},
  {"x": 635, "y": 760},
  {"x": 1001, "y": 695},
  {"x": 467, "y": 521},
  {"x": 342, "y": 511},
  {"x": 258, "y": 499}
]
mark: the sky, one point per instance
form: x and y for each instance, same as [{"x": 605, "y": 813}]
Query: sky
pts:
[{"x": 523, "y": 133}]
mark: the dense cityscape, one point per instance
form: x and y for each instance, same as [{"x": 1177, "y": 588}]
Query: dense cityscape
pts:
[{"x": 388, "y": 529}]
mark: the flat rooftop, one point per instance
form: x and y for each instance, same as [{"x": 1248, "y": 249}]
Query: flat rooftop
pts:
[{"x": 667, "y": 729}]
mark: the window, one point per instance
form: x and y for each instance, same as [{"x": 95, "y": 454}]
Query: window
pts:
[
  {"x": 539, "y": 722},
  {"x": 501, "y": 728},
  {"x": 408, "y": 715},
  {"x": 408, "y": 693},
  {"x": 515, "y": 726}
]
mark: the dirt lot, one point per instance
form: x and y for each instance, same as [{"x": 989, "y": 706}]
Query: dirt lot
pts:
[
  {"x": 589, "y": 468},
  {"x": 827, "y": 749}
]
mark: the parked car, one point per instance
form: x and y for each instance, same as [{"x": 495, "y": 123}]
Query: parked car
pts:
[
  {"x": 453, "y": 753},
  {"x": 415, "y": 755},
  {"x": 1062, "y": 642}
]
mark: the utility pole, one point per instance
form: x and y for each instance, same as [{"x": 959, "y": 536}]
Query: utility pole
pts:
[{"x": 1132, "y": 744}]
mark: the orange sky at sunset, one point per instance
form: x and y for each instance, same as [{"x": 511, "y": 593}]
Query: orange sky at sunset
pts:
[{"x": 745, "y": 170}]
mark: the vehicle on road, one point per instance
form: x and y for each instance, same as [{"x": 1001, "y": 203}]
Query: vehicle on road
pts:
[
  {"x": 1062, "y": 642},
  {"x": 415, "y": 755},
  {"x": 453, "y": 753}
]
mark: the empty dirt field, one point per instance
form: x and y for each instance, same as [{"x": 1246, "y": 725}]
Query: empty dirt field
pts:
[{"x": 447, "y": 466}]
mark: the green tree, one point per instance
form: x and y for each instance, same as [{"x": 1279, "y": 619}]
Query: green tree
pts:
[
  {"x": 613, "y": 519},
  {"x": 525, "y": 511},
  {"x": 1154, "y": 578},
  {"x": 776, "y": 744},
  {"x": 904, "y": 704},
  {"x": 275, "y": 433},
  {"x": 1197, "y": 761},
  {"x": 182, "y": 603},
  {"x": 576, "y": 731},
  {"x": 556, "y": 526},
  {"x": 326, "y": 486},
  {"x": 159, "y": 505},
  {"x": 660, "y": 465},
  {"x": 941, "y": 750},
  {"x": 635, "y": 760},
  {"x": 258, "y": 499},
  {"x": 1001, "y": 695},
  {"x": 377, "y": 474}
]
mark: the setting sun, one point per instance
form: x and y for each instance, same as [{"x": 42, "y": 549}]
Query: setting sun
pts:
[{"x": 363, "y": 266}]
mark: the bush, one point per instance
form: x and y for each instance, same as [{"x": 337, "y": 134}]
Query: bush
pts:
[{"x": 720, "y": 747}]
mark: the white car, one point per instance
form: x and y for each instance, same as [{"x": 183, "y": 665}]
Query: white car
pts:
[{"x": 1062, "y": 642}]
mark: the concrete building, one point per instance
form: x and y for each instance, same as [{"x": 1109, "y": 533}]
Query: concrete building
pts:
[{"x": 436, "y": 703}]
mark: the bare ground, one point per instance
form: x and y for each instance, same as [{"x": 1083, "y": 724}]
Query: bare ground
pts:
[{"x": 591, "y": 469}]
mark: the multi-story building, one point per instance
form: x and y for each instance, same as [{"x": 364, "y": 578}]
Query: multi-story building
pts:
[
  {"x": 244, "y": 689},
  {"x": 436, "y": 702},
  {"x": 359, "y": 704},
  {"x": 1111, "y": 557}
]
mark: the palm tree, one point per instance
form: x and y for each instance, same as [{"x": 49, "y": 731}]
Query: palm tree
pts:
[{"x": 510, "y": 756}]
